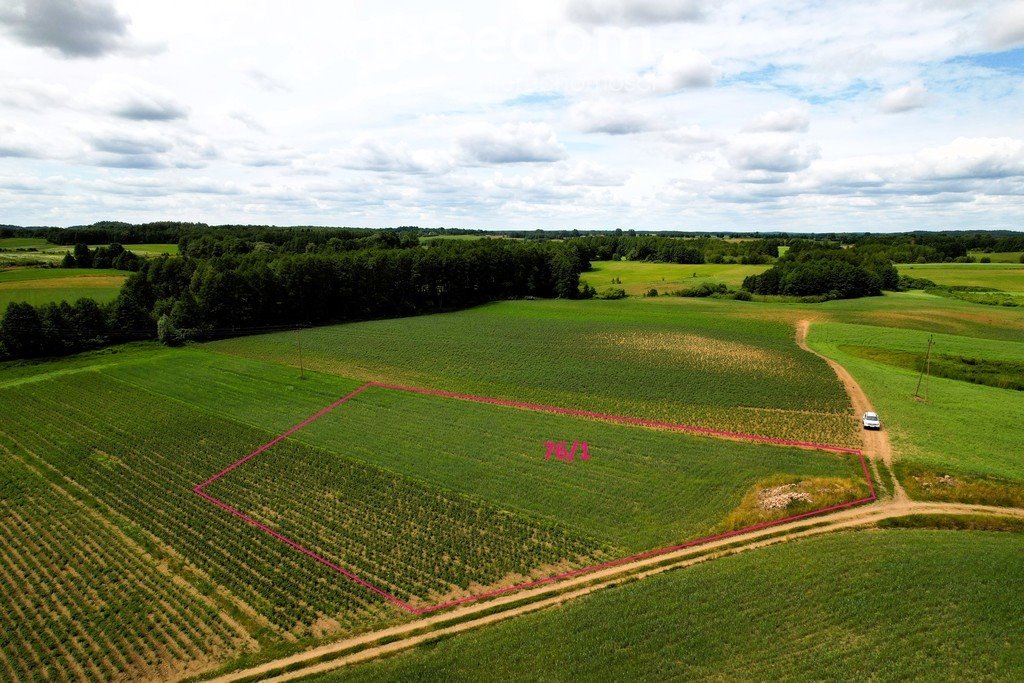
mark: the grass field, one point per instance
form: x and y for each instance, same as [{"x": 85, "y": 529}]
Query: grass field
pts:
[
  {"x": 963, "y": 428},
  {"x": 23, "y": 243},
  {"x": 676, "y": 363},
  {"x": 1008, "y": 277},
  {"x": 44, "y": 285},
  {"x": 46, "y": 254},
  {"x": 876, "y": 605},
  {"x": 999, "y": 256},
  {"x": 638, "y": 277}
]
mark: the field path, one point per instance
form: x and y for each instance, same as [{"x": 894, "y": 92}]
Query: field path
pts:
[
  {"x": 876, "y": 445},
  {"x": 396, "y": 638}
]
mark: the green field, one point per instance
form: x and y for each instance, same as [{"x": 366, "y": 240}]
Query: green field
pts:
[
  {"x": 23, "y": 243},
  {"x": 1007, "y": 277},
  {"x": 435, "y": 498},
  {"x": 999, "y": 256},
  {"x": 44, "y": 285},
  {"x": 139, "y": 428},
  {"x": 882, "y": 605},
  {"x": 638, "y": 277},
  {"x": 107, "y": 626},
  {"x": 673, "y": 362},
  {"x": 963, "y": 428}
]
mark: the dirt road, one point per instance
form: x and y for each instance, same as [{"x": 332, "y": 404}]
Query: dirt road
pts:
[{"x": 875, "y": 443}]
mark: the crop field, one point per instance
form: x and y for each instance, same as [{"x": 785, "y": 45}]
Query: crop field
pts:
[
  {"x": 1008, "y": 277},
  {"x": 44, "y": 285},
  {"x": 999, "y": 256},
  {"x": 962, "y": 429},
  {"x": 637, "y": 277},
  {"x": 91, "y": 605},
  {"x": 694, "y": 367},
  {"x": 427, "y": 509},
  {"x": 875, "y": 605}
]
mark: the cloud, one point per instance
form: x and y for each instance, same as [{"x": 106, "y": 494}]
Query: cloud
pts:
[
  {"x": 792, "y": 120},
  {"x": 680, "y": 70},
  {"x": 634, "y": 12},
  {"x": 371, "y": 154},
  {"x": 248, "y": 121},
  {"x": 913, "y": 96},
  {"x": 32, "y": 95},
  {"x": 770, "y": 152},
  {"x": 511, "y": 144},
  {"x": 610, "y": 118},
  {"x": 150, "y": 108},
  {"x": 19, "y": 143},
  {"x": 985, "y": 158},
  {"x": 266, "y": 81},
  {"x": 74, "y": 28},
  {"x": 129, "y": 144},
  {"x": 1005, "y": 28}
]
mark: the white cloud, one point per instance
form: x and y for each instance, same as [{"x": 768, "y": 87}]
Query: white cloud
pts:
[
  {"x": 137, "y": 101},
  {"x": 1005, "y": 27},
  {"x": 769, "y": 152},
  {"x": 634, "y": 12},
  {"x": 611, "y": 118},
  {"x": 681, "y": 70},
  {"x": 33, "y": 95},
  {"x": 791, "y": 120},
  {"x": 372, "y": 154},
  {"x": 511, "y": 144},
  {"x": 912, "y": 96},
  {"x": 266, "y": 81},
  {"x": 984, "y": 158},
  {"x": 73, "y": 28}
]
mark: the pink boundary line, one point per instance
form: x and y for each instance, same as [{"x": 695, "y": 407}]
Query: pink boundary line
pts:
[{"x": 198, "y": 489}]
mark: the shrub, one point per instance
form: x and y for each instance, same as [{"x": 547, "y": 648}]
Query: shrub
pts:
[
  {"x": 985, "y": 259},
  {"x": 651, "y": 292},
  {"x": 612, "y": 293}
]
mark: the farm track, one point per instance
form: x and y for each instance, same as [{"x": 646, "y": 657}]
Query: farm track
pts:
[
  {"x": 394, "y": 639},
  {"x": 876, "y": 445}
]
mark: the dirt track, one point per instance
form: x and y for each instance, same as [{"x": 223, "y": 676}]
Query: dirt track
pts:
[
  {"x": 875, "y": 444},
  {"x": 404, "y": 636}
]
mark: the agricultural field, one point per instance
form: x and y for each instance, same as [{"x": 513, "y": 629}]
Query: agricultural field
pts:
[
  {"x": 872, "y": 605},
  {"x": 35, "y": 251},
  {"x": 92, "y": 604},
  {"x": 432, "y": 498},
  {"x": 966, "y": 430},
  {"x": 1006, "y": 277},
  {"x": 694, "y": 367},
  {"x": 44, "y": 285},
  {"x": 999, "y": 256},
  {"x": 637, "y": 277}
]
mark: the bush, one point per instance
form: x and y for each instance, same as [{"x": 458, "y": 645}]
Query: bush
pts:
[
  {"x": 740, "y": 295},
  {"x": 704, "y": 289},
  {"x": 651, "y": 292},
  {"x": 985, "y": 259},
  {"x": 612, "y": 293}
]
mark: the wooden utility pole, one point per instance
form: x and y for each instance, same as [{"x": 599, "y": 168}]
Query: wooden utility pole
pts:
[
  {"x": 298, "y": 338},
  {"x": 927, "y": 371}
]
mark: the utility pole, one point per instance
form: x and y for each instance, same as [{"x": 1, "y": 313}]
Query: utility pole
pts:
[
  {"x": 927, "y": 370},
  {"x": 298, "y": 338}
]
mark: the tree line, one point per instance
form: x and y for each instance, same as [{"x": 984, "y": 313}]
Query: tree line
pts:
[{"x": 179, "y": 298}]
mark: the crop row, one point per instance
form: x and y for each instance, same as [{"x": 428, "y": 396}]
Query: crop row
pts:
[
  {"x": 141, "y": 455},
  {"x": 410, "y": 538},
  {"x": 80, "y": 603}
]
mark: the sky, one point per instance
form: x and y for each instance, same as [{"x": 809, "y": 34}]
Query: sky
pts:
[{"x": 795, "y": 115}]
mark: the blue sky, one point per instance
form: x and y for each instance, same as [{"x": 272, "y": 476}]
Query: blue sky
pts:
[{"x": 648, "y": 114}]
